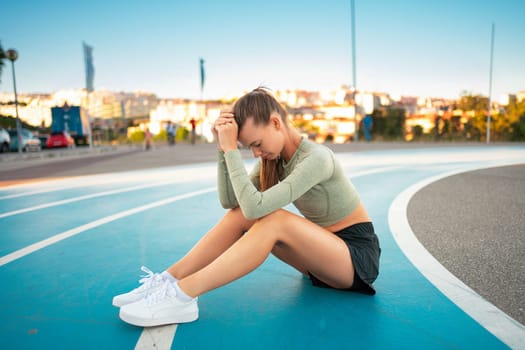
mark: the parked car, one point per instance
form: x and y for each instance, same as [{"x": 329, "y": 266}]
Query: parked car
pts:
[
  {"x": 60, "y": 139},
  {"x": 28, "y": 141},
  {"x": 5, "y": 140}
]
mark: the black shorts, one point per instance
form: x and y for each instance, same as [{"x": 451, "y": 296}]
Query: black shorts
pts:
[{"x": 364, "y": 249}]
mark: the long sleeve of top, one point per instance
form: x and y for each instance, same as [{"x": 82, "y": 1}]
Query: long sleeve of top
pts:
[
  {"x": 224, "y": 185},
  {"x": 313, "y": 180},
  {"x": 226, "y": 195}
]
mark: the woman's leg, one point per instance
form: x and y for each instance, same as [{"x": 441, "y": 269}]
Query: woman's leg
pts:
[
  {"x": 227, "y": 231},
  {"x": 299, "y": 242}
]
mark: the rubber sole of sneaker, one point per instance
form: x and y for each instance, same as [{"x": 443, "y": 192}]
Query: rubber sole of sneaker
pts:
[
  {"x": 121, "y": 303},
  {"x": 140, "y": 322}
]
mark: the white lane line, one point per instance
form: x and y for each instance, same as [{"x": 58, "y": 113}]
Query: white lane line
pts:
[
  {"x": 6, "y": 259},
  {"x": 61, "y": 184},
  {"x": 81, "y": 198},
  {"x": 504, "y": 327},
  {"x": 373, "y": 171},
  {"x": 180, "y": 172},
  {"x": 156, "y": 338},
  {"x": 428, "y": 156},
  {"x": 47, "y": 190}
]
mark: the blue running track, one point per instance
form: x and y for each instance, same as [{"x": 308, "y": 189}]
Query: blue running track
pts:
[{"x": 68, "y": 246}]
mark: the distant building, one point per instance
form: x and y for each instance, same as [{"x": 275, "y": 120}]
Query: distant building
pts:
[
  {"x": 104, "y": 104},
  {"x": 181, "y": 112},
  {"x": 323, "y": 115},
  {"x": 34, "y": 109}
]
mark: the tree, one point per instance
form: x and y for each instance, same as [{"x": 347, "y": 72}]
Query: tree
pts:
[
  {"x": 516, "y": 117},
  {"x": 395, "y": 124},
  {"x": 417, "y": 131},
  {"x": 476, "y": 103},
  {"x": 475, "y": 106},
  {"x": 389, "y": 123},
  {"x": 2, "y": 57}
]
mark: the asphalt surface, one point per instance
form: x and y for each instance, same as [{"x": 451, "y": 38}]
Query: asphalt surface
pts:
[{"x": 473, "y": 223}]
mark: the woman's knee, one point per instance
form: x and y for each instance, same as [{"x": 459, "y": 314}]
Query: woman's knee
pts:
[
  {"x": 238, "y": 217},
  {"x": 277, "y": 219}
]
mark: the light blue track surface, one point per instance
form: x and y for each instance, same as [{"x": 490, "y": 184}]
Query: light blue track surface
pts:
[{"x": 57, "y": 294}]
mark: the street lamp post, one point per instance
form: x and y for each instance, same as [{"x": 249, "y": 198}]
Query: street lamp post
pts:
[
  {"x": 354, "y": 74},
  {"x": 12, "y": 55}
]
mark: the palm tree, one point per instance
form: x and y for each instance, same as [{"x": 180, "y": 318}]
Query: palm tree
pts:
[{"x": 2, "y": 56}]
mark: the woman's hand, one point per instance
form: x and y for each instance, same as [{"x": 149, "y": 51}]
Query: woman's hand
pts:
[{"x": 225, "y": 130}]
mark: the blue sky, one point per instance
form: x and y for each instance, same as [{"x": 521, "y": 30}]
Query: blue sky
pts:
[{"x": 405, "y": 47}]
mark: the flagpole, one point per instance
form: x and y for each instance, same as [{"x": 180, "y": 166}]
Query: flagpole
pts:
[{"x": 490, "y": 80}]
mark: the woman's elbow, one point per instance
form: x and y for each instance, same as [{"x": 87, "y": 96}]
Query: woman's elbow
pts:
[
  {"x": 251, "y": 213},
  {"x": 227, "y": 204}
]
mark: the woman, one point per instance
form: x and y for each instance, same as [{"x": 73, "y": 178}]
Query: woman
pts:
[{"x": 333, "y": 242}]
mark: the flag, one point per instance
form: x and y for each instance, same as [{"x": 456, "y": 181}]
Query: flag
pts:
[
  {"x": 90, "y": 69},
  {"x": 202, "y": 73}
]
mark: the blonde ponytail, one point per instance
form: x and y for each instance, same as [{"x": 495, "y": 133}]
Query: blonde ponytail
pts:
[{"x": 269, "y": 174}]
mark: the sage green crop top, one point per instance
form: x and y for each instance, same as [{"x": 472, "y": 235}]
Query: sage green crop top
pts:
[{"x": 313, "y": 180}]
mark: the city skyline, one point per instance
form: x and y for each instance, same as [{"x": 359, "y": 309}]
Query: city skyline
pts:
[{"x": 436, "y": 49}]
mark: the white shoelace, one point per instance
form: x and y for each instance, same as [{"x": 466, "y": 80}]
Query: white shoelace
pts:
[
  {"x": 149, "y": 279},
  {"x": 166, "y": 291}
]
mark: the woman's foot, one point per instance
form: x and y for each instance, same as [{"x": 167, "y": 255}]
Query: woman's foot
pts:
[
  {"x": 160, "y": 308},
  {"x": 150, "y": 283}
]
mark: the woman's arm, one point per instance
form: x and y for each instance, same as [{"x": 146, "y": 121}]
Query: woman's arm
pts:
[
  {"x": 224, "y": 186},
  {"x": 255, "y": 204}
]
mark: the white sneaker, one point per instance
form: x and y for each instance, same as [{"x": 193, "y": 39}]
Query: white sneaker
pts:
[
  {"x": 151, "y": 282},
  {"x": 160, "y": 308}
]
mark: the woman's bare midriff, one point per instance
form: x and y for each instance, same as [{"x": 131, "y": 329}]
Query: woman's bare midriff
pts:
[{"x": 359, "y": 215}]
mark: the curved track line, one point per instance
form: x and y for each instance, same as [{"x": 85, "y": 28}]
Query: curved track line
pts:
[
  {"x": 73, "y": 182},
  {"x": 81, "y": 198},
  {"x": 54, "y": 185},
  {"x": 489, "y": 316}
]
